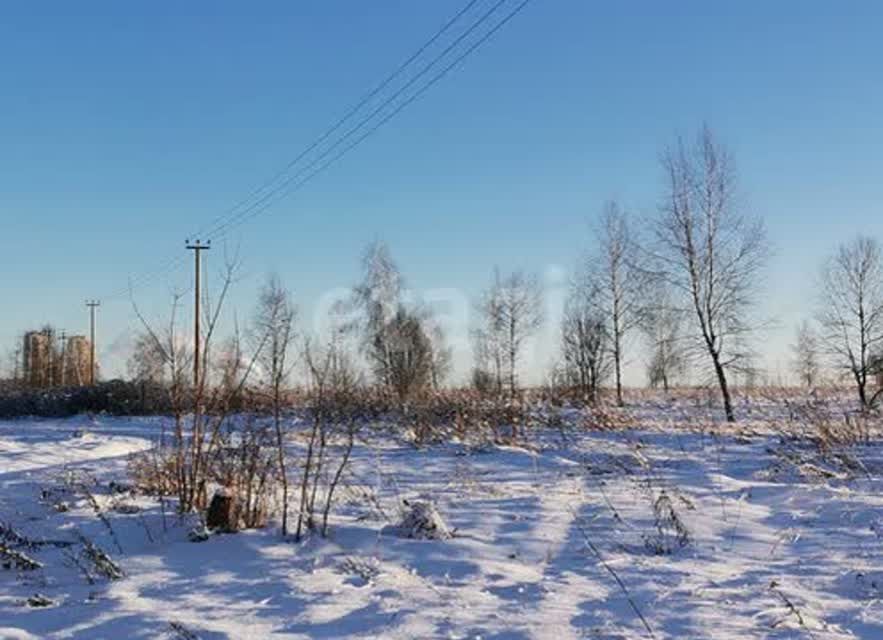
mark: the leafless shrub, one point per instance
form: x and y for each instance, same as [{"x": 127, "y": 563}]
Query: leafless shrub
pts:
[
  {"x": 802, "y": 465},
  {"x": 12, "y": 559},
  {"x": 179, "y": 631},
  {"x": 548, "y": 410},
  {"x": 13, "y": 538},
  {"x": 246, "y": 462},
  {"x": 507, "y": 416},
  {"x": 792, "y": 608},
  {"x": 671, "y": 532},
  {"x": 337, "y": 406},
  {"x": 432, "y": 417},
  {"x": 827, "y": 427},
  {"x": 366, "y": 498},
  {"x": 609, "y": 568},
  {"x": 605, "y": 418},
  {"x": 153, "y": 471},
  {"x": 200, "y": 411},
  {"x": 100, "y": 514},
  {"x": 471, "y": 416},
  {"x": 851, "y": 429},
  {"x": 367, "y": 569},
  {"x": 100, "y": 561}
]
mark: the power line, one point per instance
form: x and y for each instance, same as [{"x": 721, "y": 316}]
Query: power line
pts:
[
  {"x": 268, "y": 198},
  {"x": 272, "y": 194},
  {"x": 410, "y": 100},
  {"x": 346, "y": 117},
  {"x": 143, "y": 279}
]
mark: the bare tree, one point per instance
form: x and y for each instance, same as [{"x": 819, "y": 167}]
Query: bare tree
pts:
[
  {"x": 805, "y": 352},
  {"x": 274, "y": 327},
  {"x": 404, "y": 348},
  {"x": 164, "y": 355},
  {"x": 441, "y": 357},
  {"x": 334, "y": 402},
  {"x": 662, "y": 326},
  {"x": 489, "y": 339},
  {"x": 584, "y": 339},
  {"x": 148, "y": 367},
  {"x": 229, "y": 365},
  {"x": 711, "y": 253},
  {"x": 851, "y": 311},
  {"x": 14, "y": 362},
  {"x": 511, "y": 313},
  {"x": 147, "y": 362},
  {"x": 402, "y": 354},
  {"x": 622, "y": 282},
  {"x": 377, "y": 298},
  {"x": 194, "y": 452}
]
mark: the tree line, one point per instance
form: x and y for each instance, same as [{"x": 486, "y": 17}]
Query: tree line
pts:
[
  {"x": 688, "y": 286},
  {"x": 683, "y": 284}
]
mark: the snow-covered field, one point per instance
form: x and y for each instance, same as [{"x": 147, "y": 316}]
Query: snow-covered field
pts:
[{"x": 754, "y": 537}]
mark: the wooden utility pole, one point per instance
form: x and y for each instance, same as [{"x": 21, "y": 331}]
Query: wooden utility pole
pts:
[
  {"x": 92, "y": 304},
  {"x": 63, "y": 354},
  {"x": 196, "y": 247}
]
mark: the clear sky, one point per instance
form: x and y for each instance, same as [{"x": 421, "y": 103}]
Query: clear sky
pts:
[{"x": 126, "y": 126}]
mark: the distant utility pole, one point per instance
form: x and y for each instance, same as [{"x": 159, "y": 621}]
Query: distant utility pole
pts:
[
  {"x": 63, "y": 354},
  {"x": 92, "y": 304},
  {"x": 48, "y": 333},
  {"x": 196, "y": 247},
  {"x": 19, "y": 365}
]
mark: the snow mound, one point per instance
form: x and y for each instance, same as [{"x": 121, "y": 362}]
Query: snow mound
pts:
[{"x": 422, "y": 521}]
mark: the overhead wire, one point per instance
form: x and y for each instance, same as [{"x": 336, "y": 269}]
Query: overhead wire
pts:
[{"x": 269, "y": 192}]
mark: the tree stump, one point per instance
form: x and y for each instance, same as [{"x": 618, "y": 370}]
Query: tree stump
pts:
[{"x": 222, "y": 512}]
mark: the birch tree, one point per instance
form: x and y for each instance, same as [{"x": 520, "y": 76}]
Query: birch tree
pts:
[
  {"x": 274, "y": 328},
  {"x": 402, "y": 351},
  {"x": 584, "y": 339},
  {"x": 851, "y": 311},
  {"x": 711, "y": 253},
  {"x": 377, "y": 298},
  {"x": 662, "y": 325},
  {"x": 622, "y": 283},
  {"x": 511, "y": 312},
  {"x": 489, "y": 336},
  {"x": 147, "y": 362},
  {"x": 805, "y": 350},
  {"x": 405, "y": 349}
]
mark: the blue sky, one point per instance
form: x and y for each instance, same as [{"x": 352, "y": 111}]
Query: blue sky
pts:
[{"x": 126, "y": 126}]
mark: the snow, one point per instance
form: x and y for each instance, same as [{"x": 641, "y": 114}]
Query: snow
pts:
[{"x": 782, "y": 541}]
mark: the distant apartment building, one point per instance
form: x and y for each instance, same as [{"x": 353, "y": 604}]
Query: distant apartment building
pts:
[
  {"x": 36, "y": 358},
  {"x": 49, "y": 362},
  {"x": 76, "y": 361}
]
